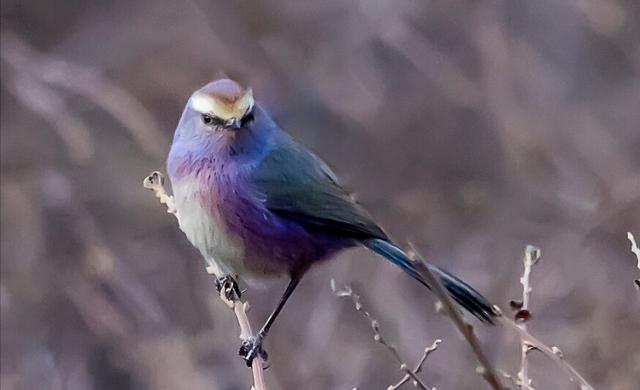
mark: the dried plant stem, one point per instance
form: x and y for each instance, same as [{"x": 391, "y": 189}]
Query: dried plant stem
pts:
[
  {"x": 527, "y": 341},
  {"x": 427, "y": 351},
  {"x": 486, "y": 369},
  {"x": 531, "y": 257},
  {"x": 240, "y": 310},
  {"x": 554, "y": 353},
  {"x": 155, "y": 182},
  {"x": 410, "y": 374},
  {"x": 636, "y": 251}
]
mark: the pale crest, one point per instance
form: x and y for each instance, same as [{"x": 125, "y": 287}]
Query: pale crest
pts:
[{"x": 207, "y": 104}]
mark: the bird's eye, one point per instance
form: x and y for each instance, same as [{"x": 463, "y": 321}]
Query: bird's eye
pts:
[{"x": 207, "y": 119}]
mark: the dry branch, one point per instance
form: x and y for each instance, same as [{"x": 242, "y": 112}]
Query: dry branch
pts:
[
  {"x": 531, "y": 257},
  {"x": 155, "y": 183},
  {"x": 554, "y": 353},
  {"x": 347, "y": 291},
  {"x": 527, "y": 341},
  {"x": 485, "y": 369},
  {"x": 427, "y": 351},
  {"x": 636, "y": 251}
]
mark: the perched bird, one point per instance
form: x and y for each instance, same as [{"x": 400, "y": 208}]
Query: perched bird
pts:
[{"x": 256, "y": 203}]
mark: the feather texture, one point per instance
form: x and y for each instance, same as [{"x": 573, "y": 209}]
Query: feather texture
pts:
[{"x": 299, "y": 186}]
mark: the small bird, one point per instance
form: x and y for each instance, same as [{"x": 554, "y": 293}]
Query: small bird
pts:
[{"x": 256, "y": 203}]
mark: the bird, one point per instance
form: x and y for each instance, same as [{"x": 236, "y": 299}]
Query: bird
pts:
[{"x": 257, "y": 204}]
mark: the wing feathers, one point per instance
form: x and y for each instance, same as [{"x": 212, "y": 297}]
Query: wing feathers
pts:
[{"x": 297, "y": 185}]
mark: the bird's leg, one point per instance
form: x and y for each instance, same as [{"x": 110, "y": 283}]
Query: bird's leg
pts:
[
  {"x": 252, "y": 346},
  {"x": 228, "y": 286}
]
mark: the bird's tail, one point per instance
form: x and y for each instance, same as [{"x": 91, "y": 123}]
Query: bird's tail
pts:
[{"x": 464, "y": 294}]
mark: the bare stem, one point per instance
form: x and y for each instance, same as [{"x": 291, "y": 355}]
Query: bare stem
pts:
[
  {"x": 410, "y": 374},
  {"x": 527, "y": 341},
  {"x": 427, "y": 351},
  {"x": 554, "y": 353},
  {"x": 240, "y": 310},
  {"x": 155, "y": 182},
  {"x": 531, "y": 257},
  {"x": 636, "y": 251},
  {"x": 486, "y": 369}
]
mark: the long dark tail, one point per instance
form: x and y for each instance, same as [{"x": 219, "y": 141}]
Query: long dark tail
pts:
[{"x": 464, "y": 294}]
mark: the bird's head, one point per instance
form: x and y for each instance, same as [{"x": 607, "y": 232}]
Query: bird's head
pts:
[{"x": 222, "y": 105}]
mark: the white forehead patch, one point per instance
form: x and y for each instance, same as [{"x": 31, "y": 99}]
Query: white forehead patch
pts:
[
  {"x": 202, "y": 103},
  {"x": 206, "y": 104}
]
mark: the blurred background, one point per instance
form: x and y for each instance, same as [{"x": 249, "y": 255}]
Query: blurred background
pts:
[{"x": 470, "y": 128}]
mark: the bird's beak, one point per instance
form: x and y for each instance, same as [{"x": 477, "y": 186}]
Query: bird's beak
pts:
[{"x": 234, "y": 123}]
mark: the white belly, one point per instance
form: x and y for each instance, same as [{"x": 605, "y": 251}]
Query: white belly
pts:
[{"x": 223, "y": 252}]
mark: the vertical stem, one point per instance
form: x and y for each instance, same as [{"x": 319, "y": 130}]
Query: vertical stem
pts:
[
  {"x": 240, "y": 310},
  {"x": 531, "y": 257}
]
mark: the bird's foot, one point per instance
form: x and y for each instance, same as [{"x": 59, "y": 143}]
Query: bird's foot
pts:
[
  {"x": 228, "y": 286},
  {"x": 252, "y": 348}
]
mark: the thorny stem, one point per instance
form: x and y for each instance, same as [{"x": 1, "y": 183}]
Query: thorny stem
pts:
[
  {"x": 347, "y": 291},
  {"x": 155, "y": 182}
]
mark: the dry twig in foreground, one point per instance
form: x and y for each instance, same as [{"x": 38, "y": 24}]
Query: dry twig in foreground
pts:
[
  {"x": 427, "y": 351},
  {"x": 531, "y": 257},
  {"x": 410, "y": 374},
  {"x": 486, "y": 368},
  {"x": 636, "y": 251},
  {"x": 527, "y": 341},
  {"x": 554, "y": 353},
  {"x": 155, "y": 182}
]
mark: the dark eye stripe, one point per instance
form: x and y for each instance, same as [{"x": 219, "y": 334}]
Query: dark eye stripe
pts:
[{"x": 211, "y": 120}]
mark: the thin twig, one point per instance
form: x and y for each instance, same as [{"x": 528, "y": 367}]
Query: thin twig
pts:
[
  {"x": 554, "y": 353},
  {"x": 155, "y": 182},
  {"x": 486, "y": 368},
  {"x": 527, "y": 341},
  {"x": 240, "y": 310},
  {"x": 347, "y": 291},
  {"x": 514, "y": 380},
  {"x": 427, "y": 351},
  {"x": 532, "y": 255},
  {"x": 636, "y": 251}
]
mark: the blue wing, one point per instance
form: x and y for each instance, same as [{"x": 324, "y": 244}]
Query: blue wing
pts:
[{"x": 297, "y": 185}]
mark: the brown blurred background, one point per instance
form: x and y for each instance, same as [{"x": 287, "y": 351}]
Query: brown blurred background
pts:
[{"x": 470, "y": 128}]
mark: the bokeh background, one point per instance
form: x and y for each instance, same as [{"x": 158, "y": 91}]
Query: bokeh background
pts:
[{"x": 470, "y": 128}]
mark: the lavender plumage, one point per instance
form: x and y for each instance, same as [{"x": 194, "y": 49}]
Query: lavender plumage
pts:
[{"x": 256, "y": 203}]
